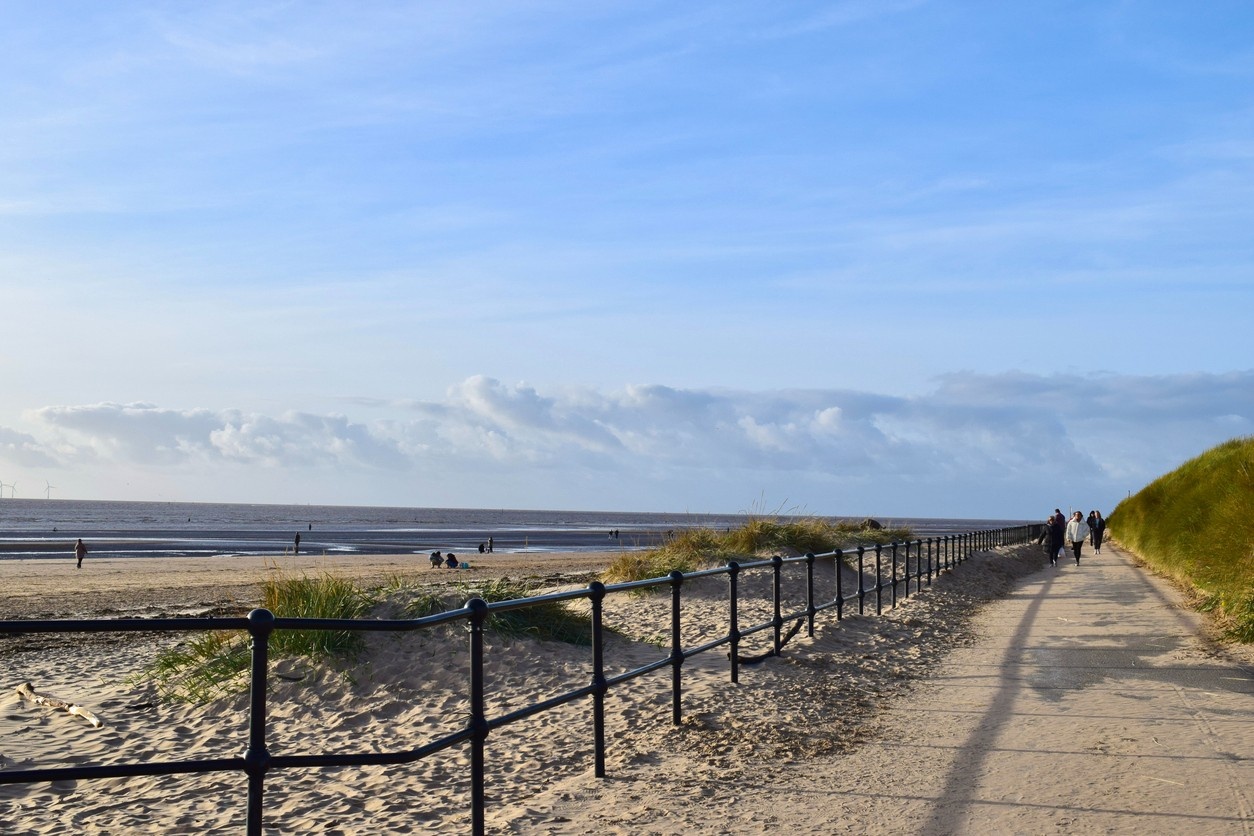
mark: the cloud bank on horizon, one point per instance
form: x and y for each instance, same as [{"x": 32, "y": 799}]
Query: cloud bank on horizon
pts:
[
  {"x": 907, "y": 258},
  {"x": 978, "y": 445}
]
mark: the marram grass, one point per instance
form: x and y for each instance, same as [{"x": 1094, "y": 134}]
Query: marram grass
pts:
[
  {"x": 1196, "y": 525},
  {"x": 693, "y": 549},
  {"x": 214, "y": 664},
  {"x": 550, "y": 621}
]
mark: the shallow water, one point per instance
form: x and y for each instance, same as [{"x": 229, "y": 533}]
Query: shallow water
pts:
[{"x": 33, "y": 528}]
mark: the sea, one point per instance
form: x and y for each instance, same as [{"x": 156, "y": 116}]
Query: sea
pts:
[{"x": 48, "y": 528}]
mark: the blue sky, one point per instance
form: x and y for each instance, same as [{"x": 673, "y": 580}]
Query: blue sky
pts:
[{"x": 892, "y": 258}]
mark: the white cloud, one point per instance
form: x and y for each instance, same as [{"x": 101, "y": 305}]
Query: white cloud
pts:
[{"x": 1013, "y": 440}]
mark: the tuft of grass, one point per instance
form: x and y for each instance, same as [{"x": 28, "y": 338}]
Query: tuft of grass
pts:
[
  {"x": 655, "y": 563},
  {"x": 550, "y": 621},
  {"x": 325, "y": 596},
  {"x": 412, "y": 597},
  {"x": 699, "y": 548},
  {"x": 208, "y": 666},
  {"x": 1193, "y": 525},
  {"x": 214, "y": 664}
]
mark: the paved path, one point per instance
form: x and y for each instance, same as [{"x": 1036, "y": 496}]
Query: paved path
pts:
[{"x": 1090, "y": 705}]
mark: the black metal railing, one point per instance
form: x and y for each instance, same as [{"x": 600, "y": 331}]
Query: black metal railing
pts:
[{"x": 919, "y": 561}]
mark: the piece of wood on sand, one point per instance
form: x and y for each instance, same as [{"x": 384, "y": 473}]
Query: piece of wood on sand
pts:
[{"x": 27, "y": 692}]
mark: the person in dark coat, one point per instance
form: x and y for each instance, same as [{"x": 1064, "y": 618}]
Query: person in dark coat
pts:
[
  {"x": 1057, "y": 535},
  {"x": 1097, "y": 527}
]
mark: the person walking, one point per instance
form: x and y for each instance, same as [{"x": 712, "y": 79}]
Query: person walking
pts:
[
  {"x": 1057, "y": 531},
  {"x": 296, "y": 545},
  {"x": 1077, "y": 531},
  {"x": 1098, "y": 529},
  {"x": 80, "y": 551}
]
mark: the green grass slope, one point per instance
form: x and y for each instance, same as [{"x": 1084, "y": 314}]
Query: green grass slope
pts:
[{"x": 1196, "y": 525}]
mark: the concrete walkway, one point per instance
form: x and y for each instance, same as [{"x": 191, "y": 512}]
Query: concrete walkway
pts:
[{"x": 1091, "y": 704}]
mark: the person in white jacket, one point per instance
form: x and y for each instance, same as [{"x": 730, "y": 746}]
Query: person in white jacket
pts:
[{"x": 1077, "y": 532}]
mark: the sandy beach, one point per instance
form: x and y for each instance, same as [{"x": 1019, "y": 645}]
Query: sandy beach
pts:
[{"x": 735, "y": 765}]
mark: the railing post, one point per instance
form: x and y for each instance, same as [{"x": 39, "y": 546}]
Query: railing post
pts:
[
  {"x": 478, "y": 721},
  {"x": 256, "y": 757},
  {"x": 893, "y": 594},
  {"x": 861, "y": 581},
  {"x": 810, "y": 594},
  {"x": 778, "y": 621},
  {"x": 733, "y": 620},
  {"x": 929, "y": 561},
  {"x": 839, "y": 564},
  {"x": 879, "y": 579},
  {"x": 918, "y": 565},
  {"x": 677, "y": 648},
  {"x": 596, "y": 594},
  {"x": 906, "y": 559}
]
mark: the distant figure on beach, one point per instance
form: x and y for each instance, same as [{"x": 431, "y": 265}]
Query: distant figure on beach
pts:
[
  {"x": 482, "y": 548},
  {"x": 1077, "y": 531},
  {"x": 489, "y": 545},
  {"x": 451, "y": 561},
  {"x": 1057, "y": 532},
  {"x": 436, "y": 560},
  {"x": 1097, "y": 527},
  {"x": 80, "y": 551},
  {"x": 296, "y": 548}
]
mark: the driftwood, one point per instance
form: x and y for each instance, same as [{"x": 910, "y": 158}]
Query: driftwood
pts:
[{"x": 27, "y": 692}]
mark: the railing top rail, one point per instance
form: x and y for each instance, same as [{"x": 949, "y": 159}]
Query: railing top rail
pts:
[
  {"x": 122, "y": 625},
  {"x": 547, "y": 598}
]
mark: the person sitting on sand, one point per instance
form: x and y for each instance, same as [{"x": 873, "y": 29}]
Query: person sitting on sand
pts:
[
  {"x": 451, "y": 561},
  {"x": 436, "y": 560}
]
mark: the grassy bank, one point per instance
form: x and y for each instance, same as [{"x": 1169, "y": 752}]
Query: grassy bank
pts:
[
  {"x": 700, "y": 548},
  {"x": 1196, "y": 525}
]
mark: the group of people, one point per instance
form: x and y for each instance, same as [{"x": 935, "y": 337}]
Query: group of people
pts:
[
  {"x": 1062, "y": 533},
  {"x": 438, "y": 559}
]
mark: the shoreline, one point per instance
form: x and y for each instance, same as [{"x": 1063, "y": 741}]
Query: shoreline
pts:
[{"x": 45, "y": 588}]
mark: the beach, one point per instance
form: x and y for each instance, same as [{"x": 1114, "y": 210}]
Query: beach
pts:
[{"x": 821, "y": 703}]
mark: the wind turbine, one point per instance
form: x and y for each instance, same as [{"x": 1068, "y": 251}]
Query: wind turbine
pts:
[
  {"x": 2, "y": 487},
  {"x": 49, "y": 489}
]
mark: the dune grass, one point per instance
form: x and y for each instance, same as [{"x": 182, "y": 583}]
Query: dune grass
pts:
[
  {"x": 697, "y": 548},
  {"x": 214, "y": 664},
  {"x": 549, "y": 621},
  {"x": 1194, "y": 525}
]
